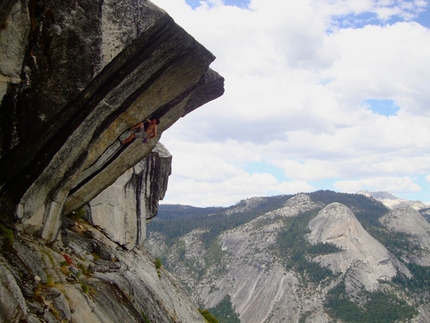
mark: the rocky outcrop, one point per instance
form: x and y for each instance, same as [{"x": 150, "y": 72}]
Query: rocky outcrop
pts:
[
  {"x": 81, "y": 74},
  {"x": 122, "y": 209}
]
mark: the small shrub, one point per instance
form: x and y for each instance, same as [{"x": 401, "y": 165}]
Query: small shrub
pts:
[
  {"x": 84, "y": 288},
  {"x": 208, "y": 316},
  {"x": 49, "y": 280},
  {"x": 144, "y": 317},
  {"x": 65, "y": 269},
  {"x": 7, "y": 233},
  {"x": 83, "y": 269},
  {"x": 158, "y": 263}
]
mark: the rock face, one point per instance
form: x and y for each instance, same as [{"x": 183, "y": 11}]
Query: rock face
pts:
[
  {"x": 122, "y": 209},
  {"x": 363, "y": 259},
  {"x": 75, "y": 76},
  {"x": 81, "y": 74}
]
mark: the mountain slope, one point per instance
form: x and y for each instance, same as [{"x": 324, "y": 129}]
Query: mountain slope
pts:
[{"x": 312, "y": 257}]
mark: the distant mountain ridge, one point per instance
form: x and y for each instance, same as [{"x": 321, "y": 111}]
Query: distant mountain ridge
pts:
[
  {"x": 392, "y": 201},
  {"x": 320, "y": 257}
]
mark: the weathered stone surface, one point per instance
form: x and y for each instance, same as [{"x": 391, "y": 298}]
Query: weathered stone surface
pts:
[
  {"x": 90, "y": 71},
  {"x": 364, "y": 259},
  {"x": 14, "y": 28},
  {"x": 12, "y": 302},
  {"x": 122, "y": 209},
  {"x": 84, "y": 288}
]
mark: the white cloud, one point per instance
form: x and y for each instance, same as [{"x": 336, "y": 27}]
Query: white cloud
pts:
[{"x": 296, "y": 83}]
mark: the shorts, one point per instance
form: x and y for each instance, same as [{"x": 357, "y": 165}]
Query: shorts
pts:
[{"x": 140, "y": 134}]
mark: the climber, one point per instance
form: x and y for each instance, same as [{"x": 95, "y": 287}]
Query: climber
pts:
[{"x": 148, "y": 133}]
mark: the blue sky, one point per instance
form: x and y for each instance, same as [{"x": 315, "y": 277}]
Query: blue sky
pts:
[{"x": 319, "y": 95}]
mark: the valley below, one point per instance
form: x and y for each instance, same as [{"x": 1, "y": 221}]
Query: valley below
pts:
[{"x": 316, "y": 257}]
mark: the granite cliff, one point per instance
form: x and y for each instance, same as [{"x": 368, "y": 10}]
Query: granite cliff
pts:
[{"x": 74, "y": 77}]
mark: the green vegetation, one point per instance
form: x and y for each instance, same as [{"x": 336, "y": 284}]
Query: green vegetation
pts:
[
  {"x": 322, "y": 249},
  {"x": 396, "y": 242},
  {"x": 83, "y": 269},
  {"x": 157, "y": 263},
  {"x": 7, "y": 233},
  {"x": 208, "y": 316},
  {"x": 419, "y": 282},
  {"x": 145, "y": 318},
  {"x": 175, "y": 221},
  {"x": 214, "y": 254},
  {"x": 78, "y": 215},
  {"x": 84, "y": 288},
  {"x": 224, "y": 311},
  {"x": 379, "y": 308},
  {"x": 295, "y": 249},
  {"x": 49, "y": 280}
]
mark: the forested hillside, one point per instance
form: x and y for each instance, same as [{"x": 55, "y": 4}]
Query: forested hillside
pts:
[{"x": 229, "y": 258}]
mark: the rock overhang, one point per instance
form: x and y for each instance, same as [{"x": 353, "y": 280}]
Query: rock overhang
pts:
[{"x": 160, "y": 72}]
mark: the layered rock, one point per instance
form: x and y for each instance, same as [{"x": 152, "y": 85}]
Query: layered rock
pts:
[
  {"x": 122, "y": 209},
  {"x": 75, "y": 76},
  {"x": 88, "y": 279},
  {"x": 90, "y": 71}
]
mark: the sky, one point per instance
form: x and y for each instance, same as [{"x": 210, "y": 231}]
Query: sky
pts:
[{"x": 319, "y": 94}]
